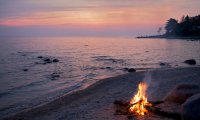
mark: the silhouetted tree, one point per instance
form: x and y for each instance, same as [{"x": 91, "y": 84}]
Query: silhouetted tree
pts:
[
  {"x": 182, "y": 19},
  {"x": 159, "y": 30},
  {"x": 188, "y": 26},
  {"x": 171, "y": 26}
]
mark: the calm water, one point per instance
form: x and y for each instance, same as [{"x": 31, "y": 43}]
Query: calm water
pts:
[{"x": 83, "y": 61}]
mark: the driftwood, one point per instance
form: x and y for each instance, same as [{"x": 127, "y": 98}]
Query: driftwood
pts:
[{"x": 123, "y": 109}]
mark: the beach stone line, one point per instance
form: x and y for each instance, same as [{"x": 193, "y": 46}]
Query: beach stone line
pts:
[
  {"x": 190, "y": 110},
  {"x": 190, "y": 62},
  {"x": 181, "y": 92}
]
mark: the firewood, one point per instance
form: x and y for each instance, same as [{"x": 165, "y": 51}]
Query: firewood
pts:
[
  {"x": 130, "y": 105},
  {"x": 125, "y": 103}
]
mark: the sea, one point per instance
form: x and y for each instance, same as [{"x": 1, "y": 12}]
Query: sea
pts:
[{"x": 28, "y": 79}]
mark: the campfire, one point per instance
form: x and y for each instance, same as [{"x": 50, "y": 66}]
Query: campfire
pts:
[
  {"x": 140, "y": 106},
  {"x": 139, "y": 102}
]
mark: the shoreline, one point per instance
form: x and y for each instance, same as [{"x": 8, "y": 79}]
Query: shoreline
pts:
[
  {"x": 170, "y": 37},
  {"x": 104, "y": 92}
]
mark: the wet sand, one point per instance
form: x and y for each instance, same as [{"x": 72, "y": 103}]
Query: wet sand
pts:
[{"x": 96, "y": 102}]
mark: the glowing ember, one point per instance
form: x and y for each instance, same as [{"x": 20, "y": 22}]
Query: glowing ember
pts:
[{"x": 139, "y": 101}]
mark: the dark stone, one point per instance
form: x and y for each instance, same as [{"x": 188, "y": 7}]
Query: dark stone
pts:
[
  {"x": 25, "y": 70},
  {"x": 190, "y": 62},
  {"x": 190, "y": 110},
  {"x": 54, "y": 76},
  {"x": 162, "y": 64},
  {"x": 55, "y": 60},
  {"x": 182, "y": 92},
  {"x": 40, "y": 57},
  {"x": 108, "y": 68},
  {"x": 131, "y": 70},
  {"x": 47, "y": 60}
]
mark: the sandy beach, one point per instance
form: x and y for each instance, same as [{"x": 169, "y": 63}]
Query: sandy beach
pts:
[
  {"x": 99, "y": 60},
  {"x": 96, "y": 101}
]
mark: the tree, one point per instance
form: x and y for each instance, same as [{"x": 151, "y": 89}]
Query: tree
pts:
[
  {"x": 171, "y": 26},
  {"x": 159, "y": 30},
  {"x": 185, "y": 27},
  {"x": 182, "y": 19},
  {"x": 188, "y": 26}
]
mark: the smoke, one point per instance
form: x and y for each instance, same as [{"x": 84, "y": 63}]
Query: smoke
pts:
[{"x": 147, "y": 78}]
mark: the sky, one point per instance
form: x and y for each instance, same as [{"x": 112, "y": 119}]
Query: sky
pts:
[{"x": 90, "y": 17}]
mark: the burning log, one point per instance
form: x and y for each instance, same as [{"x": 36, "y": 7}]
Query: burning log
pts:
[
  {"x": 139, "y": 101},
  {"x": 125, "y": 103}
]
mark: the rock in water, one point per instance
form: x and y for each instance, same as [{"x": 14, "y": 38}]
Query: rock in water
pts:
[
  {"x": 40, "y": 57},
  {"x": 131, "y": 70},
  {"x": 190, "y": 110},
  {"x": 55, "y": 60},
  {"x": 182, "y": 92},
  {"x": 162, "y": 64},
  {"x": 55, "y": 76},
  {"x": 25, "y": 70},
  {"x": 109, "y": 68},
  {"x": 47, "y": 60},
  {"x": 190, "y": 62}
]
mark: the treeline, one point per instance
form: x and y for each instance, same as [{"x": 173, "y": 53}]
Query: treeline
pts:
[{"x": 188, "y": 26}]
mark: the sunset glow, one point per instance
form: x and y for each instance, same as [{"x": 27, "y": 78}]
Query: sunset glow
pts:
[
  {"x": 93, "y": 14},
  {"x": 97, "y": 17}
]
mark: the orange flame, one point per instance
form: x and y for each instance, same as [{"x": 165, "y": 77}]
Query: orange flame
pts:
[{"x": 139, "y": 101}]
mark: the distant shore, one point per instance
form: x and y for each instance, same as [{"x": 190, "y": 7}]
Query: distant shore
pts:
[
  {"x": 96, "y": 101},
  {"x": 171, "y": 37}
]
